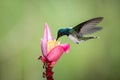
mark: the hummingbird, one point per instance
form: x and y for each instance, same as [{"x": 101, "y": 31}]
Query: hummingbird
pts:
[{"x": 77, "y": 33}]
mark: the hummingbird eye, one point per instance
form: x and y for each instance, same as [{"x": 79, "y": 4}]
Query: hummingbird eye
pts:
[{"x": 61, "y": 32}]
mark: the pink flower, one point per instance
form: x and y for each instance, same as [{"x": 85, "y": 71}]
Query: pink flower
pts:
[{"x": 52, "y": 50}]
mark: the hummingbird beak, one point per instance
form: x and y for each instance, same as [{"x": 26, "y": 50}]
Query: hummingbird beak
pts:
[{"x": 57, "y": 38}]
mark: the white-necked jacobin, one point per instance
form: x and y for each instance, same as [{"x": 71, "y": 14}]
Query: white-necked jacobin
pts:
[{"x": 76, "y": 34}]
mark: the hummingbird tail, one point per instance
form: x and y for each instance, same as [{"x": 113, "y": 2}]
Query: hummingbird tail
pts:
[{"x": 87, "y": 38}]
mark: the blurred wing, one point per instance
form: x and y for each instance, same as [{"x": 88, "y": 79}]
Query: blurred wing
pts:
[{"x": 89, "y": 26}]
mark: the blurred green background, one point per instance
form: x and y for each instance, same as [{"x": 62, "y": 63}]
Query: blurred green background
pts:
[{"x": 21, "y": 28}]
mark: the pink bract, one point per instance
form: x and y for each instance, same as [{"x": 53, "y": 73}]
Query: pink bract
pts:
[{"x": 54, "y": 54}]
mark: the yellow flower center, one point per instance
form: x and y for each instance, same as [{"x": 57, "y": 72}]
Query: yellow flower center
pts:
[{"x": 51, "y": 44}]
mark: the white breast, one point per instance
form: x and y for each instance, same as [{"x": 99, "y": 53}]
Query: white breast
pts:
[{"x": 75, "y": 40}]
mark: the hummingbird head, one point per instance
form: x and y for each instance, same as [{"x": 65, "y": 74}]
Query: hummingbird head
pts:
[{"x": 62, "y": 32}]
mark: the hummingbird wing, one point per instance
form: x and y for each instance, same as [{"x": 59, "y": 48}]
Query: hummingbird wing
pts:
[{"x": 88, "y": 26}]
